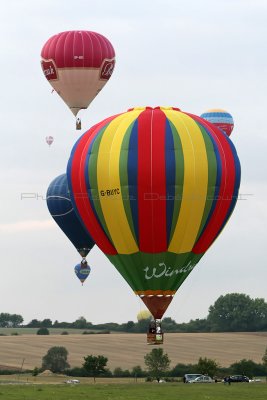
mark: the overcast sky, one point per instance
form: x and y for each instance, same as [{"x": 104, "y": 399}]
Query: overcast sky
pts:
[{"x": 194, "y": 55}]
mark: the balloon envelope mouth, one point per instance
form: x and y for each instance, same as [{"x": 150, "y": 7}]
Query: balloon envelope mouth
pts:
[{"x": 157, "y": 303}]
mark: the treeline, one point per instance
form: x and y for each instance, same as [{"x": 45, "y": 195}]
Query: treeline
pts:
[
  {"x": 233, "y": 312},
  {"x": 204, "y": 366},
  {"x": 242, "y": 367},
  {"x": 157, "y": 365}
]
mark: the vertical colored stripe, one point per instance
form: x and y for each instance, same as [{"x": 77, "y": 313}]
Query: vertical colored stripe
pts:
[
  {"x": 195, "y": 182},
  {"x": 212, "y": 197},
  {"x": 90, "y": 174},
  {"x": 179, "y": 177},
  {"x": 152, "y": 181},
  {"x": 170, "y": 177},
  {"x": 236, "y": 187},
  {"x": 132, "y": 177},
  {"x": 124, "y": 178},
  {"x": 226, "y": 191},
  {"x": 78, "y": 190},
  {"x": 214, "y": 174},
  {"x": 108, "y": 177}
]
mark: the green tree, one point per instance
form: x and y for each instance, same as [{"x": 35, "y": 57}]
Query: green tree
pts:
[
  {"x": 137, "y": 372},
  {"x": 10, "y": 320},
  {"x": 47, "y": 323},
  {"x": 182, "y": 369},
  {"x": 197, "y": 325},
  {"x": 120, "y": 373},
  {"x": 207, "y": 366},
  {"x": 35, "y": 371},
  {"x": 80, "y": 323},
  {"x": 264, "y": 360},
  {"x": 142, "y": 325},
  {"x": 244, "y": 367},
  {"x": 95, "y": 365},
  {"x": 34, "y": 323},
  {"x": 15, "y": 320},
  {"x": 56, "y": 359},
  {"x": 157, "y": 363},
  {"x": 237, "y": 312},
  {"x": 169, "y": 325},
  {"x": 42, "y": 331},
  {"x": 129, "y": 326}
]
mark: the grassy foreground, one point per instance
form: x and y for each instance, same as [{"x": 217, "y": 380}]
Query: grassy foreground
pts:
[{"x": 255, "y": 391}]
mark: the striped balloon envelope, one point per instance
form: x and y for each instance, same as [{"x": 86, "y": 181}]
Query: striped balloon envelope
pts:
[
  {"x": 77, "y": 64},
  {"x": 220, "y": 118},
  {"x": 61, "y": 209},
  {"x": 154, "y": 187}
]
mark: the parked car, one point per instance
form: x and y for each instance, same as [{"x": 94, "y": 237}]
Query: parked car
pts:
[
  {"x": 72, "y": 381},
  {"x": 190, "y": 377},
  {"x": 203, "y": 379},
  {"x": 238, "y": 378}
]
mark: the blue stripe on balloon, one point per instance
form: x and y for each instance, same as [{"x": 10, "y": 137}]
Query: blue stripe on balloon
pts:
[
  {"x": 215, "y": 117},
  {"x": 170, "y": 177},
  {"x": 132, "y": 168}
]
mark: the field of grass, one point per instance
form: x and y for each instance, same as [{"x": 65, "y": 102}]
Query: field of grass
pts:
[
  {"x": 139, "y": 391},
  {"x": 128, "y": 350},
  {"x": 33, "y": 331}
]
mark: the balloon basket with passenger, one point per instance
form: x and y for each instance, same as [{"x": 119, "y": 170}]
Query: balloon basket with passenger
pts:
[
  {"x": 155, "y": 333},
  {"x": 78, "y": 124}
]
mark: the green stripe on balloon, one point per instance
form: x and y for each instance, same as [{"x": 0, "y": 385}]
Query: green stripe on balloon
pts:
[
  {"x": 124, "y": 154},
  {"x": 212, "y": 175},
  {"x": 92, "y": 172}
]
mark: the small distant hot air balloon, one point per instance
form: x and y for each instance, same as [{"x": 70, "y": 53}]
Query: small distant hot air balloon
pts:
[
  {"x": 220, "y": 118},
  {"x": 49, "y": 140},
  {"x": 77, "y": 64},
  {"x": 159, "y": 186},
  {"x": 61, "y": 209},
  {"x": 82, "y": 271},
  {"x": 143, "y": 314}
]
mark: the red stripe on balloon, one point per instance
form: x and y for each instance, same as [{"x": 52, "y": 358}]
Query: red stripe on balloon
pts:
[
  {"x": 152, "y": 181},
  {"x": 226, "y": 191},
  {"x": 80, "y": 190}
]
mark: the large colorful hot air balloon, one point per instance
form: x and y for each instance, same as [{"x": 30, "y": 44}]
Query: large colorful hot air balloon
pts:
[
  {"x": 220, "y": 118},
  {"x": 78, "y": 64},
  {"x": 159, "y": 185},
  {"x": 60, "y": 207}
]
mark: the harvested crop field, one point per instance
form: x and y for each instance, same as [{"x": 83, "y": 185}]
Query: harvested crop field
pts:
[{"x": 128, "y": 350}]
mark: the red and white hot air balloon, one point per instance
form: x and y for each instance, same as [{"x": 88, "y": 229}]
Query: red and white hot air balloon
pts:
[{"x": 77, "y": 64}]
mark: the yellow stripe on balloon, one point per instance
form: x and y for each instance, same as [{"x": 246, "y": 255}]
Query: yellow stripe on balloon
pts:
[
  {"x": 195, "y": 182},
  {"x": 109, "y": 186}
]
